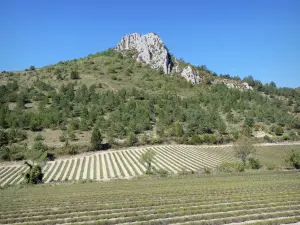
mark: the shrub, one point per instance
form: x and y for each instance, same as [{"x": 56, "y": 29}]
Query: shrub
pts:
[
  {"x": 231, "y": 167},
  {"x": 207, "y": 170},
  {"x": 279, "y": 131},
  {"x": 34, "y": 175},
  {"x": 267, "y": 138},
  {"x": 156, "y": 140},
  {"x": 226, "y": 167},
  {"x": 32, "y": 68},
  {"x": 254, "y": 163},
  {"x": 12, "y": 152},
  {"x": 74, "y": 75},
  {"x": 39, "y": 137},
  {"x": 239, "y": 167},
  {"x": 293, "y": 159},
  {"x": 162, "y": 173},
  {"x": 72, "y": 135},
  {"x": 184, "y": 172},
  {"x": 96, "y": 139},
  {"x": 59, "y": 77},
  {"x": 62, "y": 137},
  {"x": 68, "y": 149}
]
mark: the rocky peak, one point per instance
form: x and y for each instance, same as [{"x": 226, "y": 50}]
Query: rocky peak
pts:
[{"x": 150, "y": 49}]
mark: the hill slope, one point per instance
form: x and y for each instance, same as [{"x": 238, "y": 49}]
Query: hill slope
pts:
[{"x": 131, "y": 103}]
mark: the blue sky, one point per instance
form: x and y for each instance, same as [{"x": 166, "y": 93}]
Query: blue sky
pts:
[{"x": 237, "y": 37}]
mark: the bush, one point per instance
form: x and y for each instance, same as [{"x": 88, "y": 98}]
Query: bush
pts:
[
  {"x": 59, "y": 77},
  {"x": 96, "y": 139},
  {"x": 12, "y": 152},
  {"x": 74, "y": 75},
  {"x": 278, "y": 130},
  {"x": 239, "y": 167},
  {"x": 231, "y": 167},
  {"x": 154, "y": 141},
  {"x": 39, "y": 137},
  {"x": 62, "y": 138},
  {"x": 162, "y": 173},
  {"x": 254, "y": 163},
  {"x": 34, "y": 175},
  {"x": 293, "y": 159},
  {"x": 267, "y": 138},
  {"x": 207, "y": 170},
  {"x": 131, "y": 139},
  {"x": 68, "y": 149},
  {"x": 32, "y": 68}
]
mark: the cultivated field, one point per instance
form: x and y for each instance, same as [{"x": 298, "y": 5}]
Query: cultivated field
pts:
[
  {"x": 125, "y": 164},
  {"x": 257, "y": 198},
  {"x": 122, "y": 164}
]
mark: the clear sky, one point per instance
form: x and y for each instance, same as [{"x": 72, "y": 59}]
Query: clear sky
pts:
[{"x": 239, "y": 37}]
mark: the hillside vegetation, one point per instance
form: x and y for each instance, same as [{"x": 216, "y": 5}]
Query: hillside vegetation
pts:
[{"x": 131, "y": 104}]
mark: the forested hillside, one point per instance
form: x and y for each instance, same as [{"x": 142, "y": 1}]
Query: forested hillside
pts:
[{"x": 127, "y": 103}]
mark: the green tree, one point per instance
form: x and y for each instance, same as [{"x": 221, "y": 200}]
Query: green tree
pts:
[
  {"x": 96, "y": 139},
  {"x": 32, "y": 68},
  {"x": 243, "y": 147},
  {"x": 148, "y": 157},
  {"x": 36, "y": 157},
  {"x": 131, "y": 139}
]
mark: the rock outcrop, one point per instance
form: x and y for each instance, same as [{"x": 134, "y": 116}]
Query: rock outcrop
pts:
[
  {"x": 150, "y": 49},
  {"x": 189, "y": 74},
  {"x": 233, "y": 84}
]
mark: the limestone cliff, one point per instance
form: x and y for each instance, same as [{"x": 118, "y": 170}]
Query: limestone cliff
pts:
[{"x": 150, "y": 49}]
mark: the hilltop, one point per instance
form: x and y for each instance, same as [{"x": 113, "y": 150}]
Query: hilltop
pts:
[{"x": 137, "y": 94}]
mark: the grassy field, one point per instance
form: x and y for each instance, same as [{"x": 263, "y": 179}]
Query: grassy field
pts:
[{"x": 257, "y": 197}]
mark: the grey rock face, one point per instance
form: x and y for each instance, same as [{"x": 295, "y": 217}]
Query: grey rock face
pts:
[
  {"x": 150, "y": 49},
  {"x": 233, "y": 84},
  {"x": 189, "y": 74}
]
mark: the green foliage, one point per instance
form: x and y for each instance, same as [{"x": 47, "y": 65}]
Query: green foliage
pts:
[
  {"x": 278, "y": 130},
  {"x": 148, "y": 157},
  {"x": 34, "y": 175},
  {"x": 13, "y": 152},
  {"x": 32, "y": 68},
  {"x": 62, "y": 137},
  {"x": 227, "y": 167},
  {"x": 68, "y": 149},
  {"x": 254, "y": 163},
  {"x": 74, "y": 75},
  {"x": 243, "y": 148},
  {"x": 37, "y": 154},
  {"x": 96, "y": 139},
  {"x": 249, "y": 122},
  {"x": 39, "y": 137},
  {"x": 293, "y": 159},
  {"x": 131, "y": 139},
  {"x": 162, "y": 172}
]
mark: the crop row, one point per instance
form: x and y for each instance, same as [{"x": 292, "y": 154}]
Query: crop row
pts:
[{"x": 121, "y": 164}]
